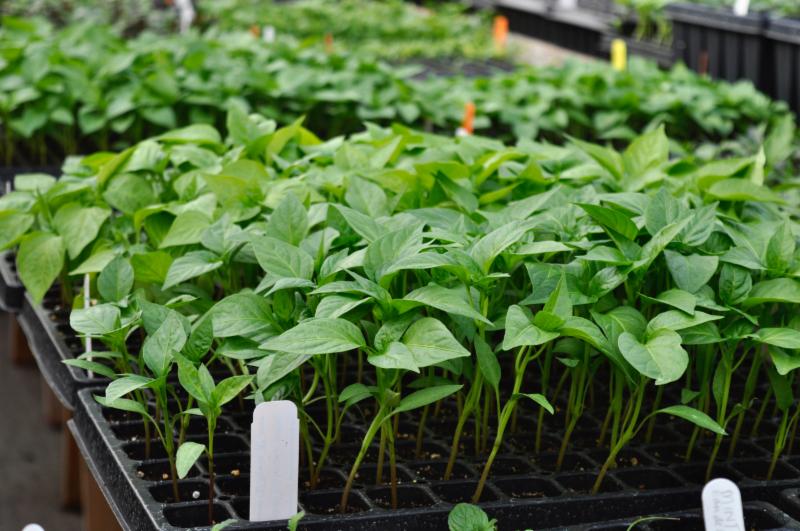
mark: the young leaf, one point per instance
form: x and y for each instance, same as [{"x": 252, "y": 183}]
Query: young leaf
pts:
[
  {"x": 79, "y": 225},
  {"x": 779, "y": 337},
  {"x": 95, "y": 320},
  {"x": 116, "y": 279},
  {"x": 539, "y": 399},
  {"x": 695, "y": 417},
  {"x": 318, "y": 336},
  {"x": 487, "y": 361},
  {"x": 281, "y": 259},
  {"x": 520, "y": 330},
  {"x": 289, "y": 222},
  {"x": 189, "y": 266},
  {"x": 431, "y": 342},
  {"x": 450, "y": 301},
  {"x": 661, "y": 358},
  {"x": 125, "y": 385},
  {"x": 241, "y": 314},
  {"x": 229, "y": 388},
  {"x": 691, "y": 272},
  {"x": 468, "y": 517},
  {"x": 186, "y": 456},
  {"x": 424, "y": 397},
  {"x": 610, "y": 218},
  {"x": 40, "y": 258}
]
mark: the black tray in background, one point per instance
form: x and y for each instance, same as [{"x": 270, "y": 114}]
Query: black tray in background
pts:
[
  {"x": 733, "y": 47},
  {"x": 783, "y": 35},
  {"x": 109, "y": 442},
  {"x": 48, "y": 343},
  {"x": 11, "y": 289}
]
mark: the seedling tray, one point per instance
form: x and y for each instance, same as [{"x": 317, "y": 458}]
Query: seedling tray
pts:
[
  {"x": 784, "y": 38},
  {"x": 449, "y": 67},
  {"x": 11, "y": 289},
  {"x": 51, "y": 340},
  {"x": 523, "y": 490},
  {"x": 725, "y": 45},
  {"x": 663, "y": 55}
]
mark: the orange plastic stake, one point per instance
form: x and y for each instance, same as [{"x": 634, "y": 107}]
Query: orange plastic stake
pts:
[
  {"x": 468, "y": 123},
  {"x": 500, "y": 32},
  {"x": 255, "y": 31},
  {"x": 328, "y": 43}
]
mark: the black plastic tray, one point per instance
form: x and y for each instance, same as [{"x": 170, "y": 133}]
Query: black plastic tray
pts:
[
  {"x": 663, "y": 55},
  {"x": 732, "y": 47},
  {"x": 784, "y": 65},
  {"x": 52, "y": 343},
  {"x": 11, "y": 289},
  {"x": 111, "y": 442}
]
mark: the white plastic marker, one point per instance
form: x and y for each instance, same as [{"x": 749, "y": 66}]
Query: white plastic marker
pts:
[
  {"x": 268, "y": 34},
  {"x": 186, "y": 14},
  {"x": 741, "y": 8},
  {"x": 274, "y": 461},
  {"x": 722, "y": 506},
  {"x": 87, "y": 297},
  {"x": 33, "y": 527},
  {"x": 567, "y": 4}
]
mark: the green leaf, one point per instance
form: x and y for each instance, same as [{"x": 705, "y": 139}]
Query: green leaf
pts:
[
  {"x": 241, "y": 314},
  {"x": 735, "y": 283},
  {"x": 79, "y": 225},
  {"x": 613, "y": 219},
  {"x": 539, "y": 399},
  {"x": 779, "y": 337},
  {"x": 677, "y": 298},
  {"x": 337, "y": 305},
  {"x": 742, "y": 190},
  {"x": 784, "y": 362},
  {"x": 91, "y": 366},
  {"x": 276, "y": 366},
  {"x": 691, "y": 272},
  {"x": 187, "y": 454},
  {"x": 658, "y": 243},
  {"x": 40, "y": 258},
  {"x": 468, "y": 517},
  {"x": 645, "y": 153},
  {"x": 662, "y": 210},
  {"x": 124, "y": 404},
  {"x": 520, "y": 330},
  {"x": 452, "y": 301},
  {"x": 13, "y": 225},
  {"x": 391, "y": 247},
  {"x": 189, "y": 266},
  {"x": 782, "y": 387},
  {"x": 126, "y": 385},
  {"x": 395, "y": 356},
  {"x": 289, "y": 222},
  {"x": 423, "y": 397},
  {"x": 694, "y": 416},
  {"x": 282, "y": 259},
  {"x": 780, "y": 248},
  {"x": 99, "y": 320},
  {"x": 366, "y": 197},
  {"x": 362, "y": 224},
  {"x": 776, "y": 290},
  {"x": 318, "y": 336},
  {"x": 159, "y": 348},
  {"x": 492, "y": 244},
  {"x": 678, "y": 320},
  {"x": 487, "y": 361},
  {"x": 187, "y": 229},
  {"x": 431, "y": 342},
  {"x": 661, "y": 358},
  {"x": 116, "y": 279},
  {"x": 229, "y": 388}
]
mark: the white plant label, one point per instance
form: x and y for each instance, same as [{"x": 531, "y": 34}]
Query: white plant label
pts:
[
  {"x": 741, "y": 8},
  {"x": 186, "y": 14},
  {"x": 268, "y": 34},
  {"x": 274, "y": 461},
  {"x": 567, "y": 4},
  {"x": 722, "y": 506}
]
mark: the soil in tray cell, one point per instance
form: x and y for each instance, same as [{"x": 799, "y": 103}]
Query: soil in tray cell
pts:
[
  {"x": 695, "y": 473},
  {"x": 743, "y": 449},
  {"x": 507, "y": 466},
  {"x": 434, "y": 470},
  {"x": 648, "y": 479},
  {"x": 462, "y": 491},
  {"x": 757, "y": 469},
  {"x": 571, "y": 463},
  {"x": 194, "y": 514},
  {"x": 675, "y": 454},
  {"x": 408, "y": 497},
  {"x": 528, "y": 487},
  {"x": 158, "y": 470},
  {"x": 367, "y": 474},
  {"x": 627, "y": 458},
  {"x": 407, "y": 450},
  {"x": 187, "y": 490},
  {"x": 232, "y": 465},
  {"x": 328, "y": 502},
  {"x": 583, "y": 483},
  {"x": 329, "y": 478}
]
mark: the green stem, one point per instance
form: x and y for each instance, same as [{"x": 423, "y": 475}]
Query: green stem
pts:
[
  {"x": 462, "y": 419},
  {"x": 370, "y": 435},
  {"x": 749, "y": 390}
]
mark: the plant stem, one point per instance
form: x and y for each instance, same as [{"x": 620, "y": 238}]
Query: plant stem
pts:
[
  {"x": 212, "y": 428},
  {"x": 381, "y": 454},
  {"x": 392, "y": 465},
  {"x": 780, "y": 441},
  {"x": 462, "y": 419},
  {"x": 371, "y": 431},
  {"x": 652, "y": 423},
  {"x": 420, "y": 431},
  {"x": 761, "y": 411},
  {"x": 749, "y": 390},
  {"x": 722, "y": 409}
]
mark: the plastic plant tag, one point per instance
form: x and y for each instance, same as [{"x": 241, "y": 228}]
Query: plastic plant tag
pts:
[
  {"x": 468, "y": 122},
  {"x": 268, "y": 34},
  {"x": 186, "y": 14},
  {"x": 567, "y": 4},
  {"x": 274, "y": 461},
  {"x": 722, "y": 506},
  {"x": 87, "y": 299},
  {"x": 500, "y": 32},
  {"x": 741, "y": 8},
  {"x": 619, "y": 55}
]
